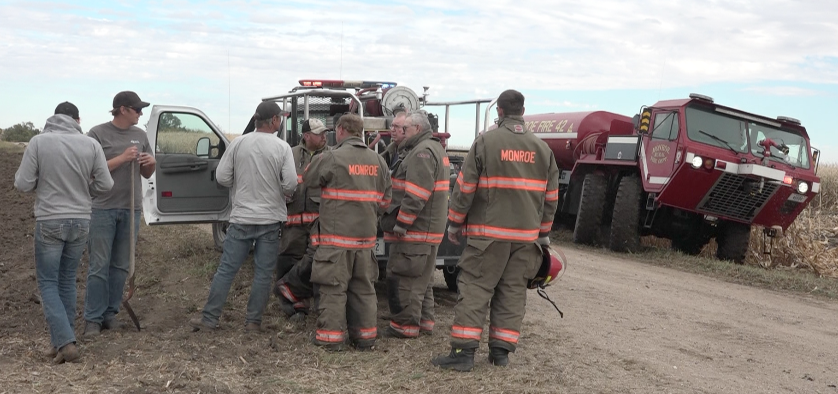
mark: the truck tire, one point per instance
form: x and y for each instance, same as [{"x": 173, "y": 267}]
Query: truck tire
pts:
[
  {"x": 691, "y": 244},
  {"x": 625, "y": 221},
  {"x": 733, "y": 239},
  {"x": 451, "y": 277},
  {"x": 591, "y": 205},
  {"x": 219, "y": 233}
]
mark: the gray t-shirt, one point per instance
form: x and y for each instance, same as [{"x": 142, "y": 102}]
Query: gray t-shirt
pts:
[{"x": 114, "y": 141}]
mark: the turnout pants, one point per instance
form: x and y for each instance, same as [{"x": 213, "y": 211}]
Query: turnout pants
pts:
[
  {"x": 493, "y": 276},
  {"x": 292, "y": 247},
  {"x": 409, "y": 287},
  {"x": 347, "y": 295}
]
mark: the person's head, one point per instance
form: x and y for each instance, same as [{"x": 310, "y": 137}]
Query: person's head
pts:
[
  {"x": 314, "y": 134},
  {"x": 510, "y": 103},
  {"x": 416, "y": 123},
  {"x": 69, "y": 109},
  {"x": 349, "y": 125},
  {"x": 268, "y": 117},
  {"x": 397, "y": 128},
  {"x": 127, "y": 108}
]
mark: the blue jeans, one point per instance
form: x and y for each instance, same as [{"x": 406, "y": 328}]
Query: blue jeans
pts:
[
  {"x": 109, "y": 247},
  {"x": 59, "y": 244},
  {"x": 236, "y": 247}
]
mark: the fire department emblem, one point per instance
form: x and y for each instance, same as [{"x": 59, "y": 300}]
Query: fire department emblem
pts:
[{"x": 659, "y": 154}]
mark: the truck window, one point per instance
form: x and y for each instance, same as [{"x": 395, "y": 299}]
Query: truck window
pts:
[
  {"x": 666, "y": 126},
  {"x": 179, "y": 133},
  {"x": 716, "y": 129},
  {"x": 798, "y": 148}
]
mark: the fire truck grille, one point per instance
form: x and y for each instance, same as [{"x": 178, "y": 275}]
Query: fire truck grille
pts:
[{"x": 737, "y": 197}]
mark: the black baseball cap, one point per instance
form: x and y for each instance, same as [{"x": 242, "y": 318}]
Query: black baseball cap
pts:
[
  {"x": 267, "y": 110},
  {"x": 128, "y": 98},
  {"x": 67, "y": 108}
]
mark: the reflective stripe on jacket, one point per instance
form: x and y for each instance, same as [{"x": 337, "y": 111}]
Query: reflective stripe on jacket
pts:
[{"x": 508, "y": 186}]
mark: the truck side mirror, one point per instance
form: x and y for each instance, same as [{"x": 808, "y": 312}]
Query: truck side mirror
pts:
[
  {"x": 635, "y": 121},
  {"x": 203, "y": 147}
]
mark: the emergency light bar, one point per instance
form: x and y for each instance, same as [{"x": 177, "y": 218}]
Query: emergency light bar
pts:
[{"x": 336, "y": 83}]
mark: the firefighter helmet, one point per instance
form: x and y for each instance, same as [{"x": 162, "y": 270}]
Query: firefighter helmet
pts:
[{"x": 553, "y": 265}]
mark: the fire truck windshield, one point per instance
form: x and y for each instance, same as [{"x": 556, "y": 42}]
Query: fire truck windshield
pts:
[
  {"x": 716, "y": 129},
  {"x": 798, "y": 149},
  {"x": 710, "y": 127}
]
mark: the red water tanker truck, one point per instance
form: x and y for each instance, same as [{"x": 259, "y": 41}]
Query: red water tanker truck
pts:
[{"x": 687, "y": 170}]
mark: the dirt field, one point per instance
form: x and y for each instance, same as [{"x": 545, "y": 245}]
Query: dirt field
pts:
[{"x": 629, "y": 327}]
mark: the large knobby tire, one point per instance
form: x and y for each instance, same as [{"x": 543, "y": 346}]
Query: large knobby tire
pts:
[
  {"x": 625, "y": 221},
  {"x": 219, "y": 233},
  {"x": 591, "y": 206},
  {"x": 451, "y": 278},
  {"x": 691, "y": 244},
  {"x": 733, "y": 240}
]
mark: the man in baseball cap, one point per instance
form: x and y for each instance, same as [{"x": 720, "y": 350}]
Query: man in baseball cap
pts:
[{"x": 109, "y": 246}]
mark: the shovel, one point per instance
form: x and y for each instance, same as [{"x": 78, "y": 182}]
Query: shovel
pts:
[{"x": 132, "y": 248}]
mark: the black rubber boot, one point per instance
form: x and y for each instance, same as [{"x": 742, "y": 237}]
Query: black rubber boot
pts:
[
  {"x": 459, "y": 360},
  {"x": 498, "y": 357}
]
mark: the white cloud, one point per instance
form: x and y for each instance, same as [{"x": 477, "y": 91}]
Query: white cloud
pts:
[{"x": 178, "y": 50}]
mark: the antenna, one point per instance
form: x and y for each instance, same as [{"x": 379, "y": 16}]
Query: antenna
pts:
[
  {"x": 341, "y": 51},
  {"x": 229, "y": 93}
]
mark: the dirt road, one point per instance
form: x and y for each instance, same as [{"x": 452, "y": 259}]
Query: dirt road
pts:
[
  {"x": 634, "y": 328},
  {"x": 629, "y": 327}
]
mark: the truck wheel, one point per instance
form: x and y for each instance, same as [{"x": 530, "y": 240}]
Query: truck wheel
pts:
[
  {"x": 625, "y": 221},
  {"x": 592, "y": 203},
  {"x": 690, "y": 245},
  {"x": 219, "y": 233},
  {"x": 733, "y": 240},
  {"x": 451, "y": 277}
]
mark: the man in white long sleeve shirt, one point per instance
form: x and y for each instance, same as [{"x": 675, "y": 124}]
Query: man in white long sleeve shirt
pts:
[{"x": 259, "y": 170}]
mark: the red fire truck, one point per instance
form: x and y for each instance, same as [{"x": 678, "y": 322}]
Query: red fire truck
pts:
[{"x": 687, "y": 170}]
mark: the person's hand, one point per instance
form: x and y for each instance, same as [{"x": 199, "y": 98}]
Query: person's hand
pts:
[
  {"x": 543, "y": 241},
  {"x": 147, "y": 159},
  {"x": 454, "y": 234},
  {"x": 130, "y": 153},
  {"x": 399, "y": 231}
]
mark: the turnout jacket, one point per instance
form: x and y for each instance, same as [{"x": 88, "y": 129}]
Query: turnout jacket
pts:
[
  {"x": 355, "y": 187},
  {"x": 420, "y": 192},
  {"x": 508, "y": 188},
  {"x": 304, "y": 205}
]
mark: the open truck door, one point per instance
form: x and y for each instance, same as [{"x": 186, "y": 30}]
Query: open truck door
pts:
[{"x": 188, "y": 147}]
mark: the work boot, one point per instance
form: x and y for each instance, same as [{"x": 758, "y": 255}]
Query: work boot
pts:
[
  {"x": 329, "y": 347},
  {"x": 498, "y": 357},
  {"x": 112, "y": 324},
  {"x": 298, "y": 318},
  {"x": 198, "y": 323},
  {"x": 252, "y": 327},
  {"x": 68, "y": 353},
  {"x": 391, "y": 332},
  {"x": 426, "y": 332},
  {"x": 91, "y": 329},
  {"x": 51, "y": 352},
  {"x": 365, "y": 346},
  {"x": 459, "y": 360}
]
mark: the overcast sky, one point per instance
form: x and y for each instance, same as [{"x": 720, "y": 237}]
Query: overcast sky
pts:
[{"x": 769, "y": 57}]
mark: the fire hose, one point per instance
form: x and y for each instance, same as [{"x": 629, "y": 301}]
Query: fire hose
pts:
[{"x": 132, "y": 249}]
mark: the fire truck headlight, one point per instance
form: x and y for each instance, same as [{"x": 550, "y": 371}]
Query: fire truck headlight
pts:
[
  {"x": 802, "y": 187},
  {"x": 697, "y": 161}
]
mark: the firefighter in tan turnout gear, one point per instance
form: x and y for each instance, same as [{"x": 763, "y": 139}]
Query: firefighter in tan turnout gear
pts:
[
  {"x": 504, "y": 202},
  {"x": 414, "y": 225},
  {"x": 355, "y": 189},
  {"x": 293, "y": 270}
]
